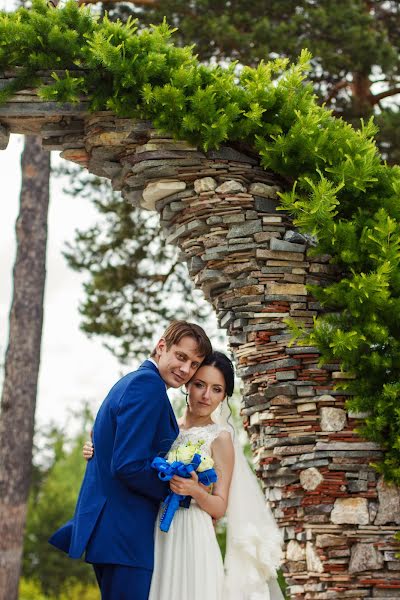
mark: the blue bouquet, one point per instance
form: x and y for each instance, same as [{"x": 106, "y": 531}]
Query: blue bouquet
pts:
[{"x": 182, "y": 461}]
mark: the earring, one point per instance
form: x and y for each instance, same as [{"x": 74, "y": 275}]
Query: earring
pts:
[
  {"x": 186, "y": 399},
  {"x": 220, "y": 408}
]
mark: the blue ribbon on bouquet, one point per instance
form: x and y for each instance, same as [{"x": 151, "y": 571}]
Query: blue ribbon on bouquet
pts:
[{"x": 166, "y": 471}]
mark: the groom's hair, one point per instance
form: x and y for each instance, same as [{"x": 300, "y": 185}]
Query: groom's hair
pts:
[{"x": 180, "y": 329}]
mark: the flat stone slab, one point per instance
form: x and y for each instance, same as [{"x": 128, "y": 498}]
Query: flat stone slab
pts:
[
  {"x": 160, "y": 189},
  {"x": 352, "y": 511},
  {"x": 365, "y": 557}
]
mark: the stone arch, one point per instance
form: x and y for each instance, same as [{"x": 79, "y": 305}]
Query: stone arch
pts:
[{"x": 251, "y": 263}]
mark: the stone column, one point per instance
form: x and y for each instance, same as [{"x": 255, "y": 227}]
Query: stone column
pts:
[
  {"x": 252, "y": 265},
  {"x": 220, "y": 208}
]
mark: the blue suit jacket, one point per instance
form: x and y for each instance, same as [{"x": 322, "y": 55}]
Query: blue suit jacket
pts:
[{"x": 120, "y": 494}]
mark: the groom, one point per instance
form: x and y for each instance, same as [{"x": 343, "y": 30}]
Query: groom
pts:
[{"x": 120, "y": 495}]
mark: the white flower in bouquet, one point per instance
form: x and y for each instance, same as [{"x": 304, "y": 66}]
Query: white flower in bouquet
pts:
[
  {"x": 185, "y": 453},
  {"x": 206, "y": 463}
]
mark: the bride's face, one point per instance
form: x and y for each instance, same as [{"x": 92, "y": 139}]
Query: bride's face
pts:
[{"x": 206, "y": 391}]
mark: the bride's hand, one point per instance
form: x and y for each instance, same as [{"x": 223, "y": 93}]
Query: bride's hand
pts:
[
  {"x": 185, "y": 487},
  {"x": 88, "y": 450}
]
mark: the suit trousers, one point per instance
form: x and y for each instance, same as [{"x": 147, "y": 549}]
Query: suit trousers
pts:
[{"x": 118, "y": 582}]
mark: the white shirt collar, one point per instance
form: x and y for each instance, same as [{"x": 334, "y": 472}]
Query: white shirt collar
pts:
[
  {"x": 155, "y": 364},
  {"x": 153, "y": 361}
]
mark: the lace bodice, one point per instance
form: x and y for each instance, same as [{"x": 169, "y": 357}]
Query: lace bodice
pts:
[{"x": 208, "y": 433}]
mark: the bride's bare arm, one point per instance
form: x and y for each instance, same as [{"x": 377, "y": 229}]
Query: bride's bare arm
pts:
[{"x": 215, "y": 504}]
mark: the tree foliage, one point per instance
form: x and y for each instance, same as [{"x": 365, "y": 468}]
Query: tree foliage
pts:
[
  {"x": 355, "y": 47},
  {"x": 135, "y": 283},
  {"x": 355, "y": 50},
  {"x": 341, "y": 190}
]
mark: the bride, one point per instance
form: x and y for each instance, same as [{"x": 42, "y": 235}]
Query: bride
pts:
[{"x": 188, "y": 562}]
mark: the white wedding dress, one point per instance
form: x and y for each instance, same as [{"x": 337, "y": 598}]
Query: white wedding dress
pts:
[{"x": 187, "y": 559}]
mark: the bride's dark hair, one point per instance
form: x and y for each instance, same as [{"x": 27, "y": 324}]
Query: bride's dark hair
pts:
[{"x": 220, "y": 361}]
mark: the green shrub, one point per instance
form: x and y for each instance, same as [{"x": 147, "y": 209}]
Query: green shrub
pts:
[
  {"x": 31, "y": 590},
  {"x": 73, "y": 590},
  {"x": 80, "y": 591}
]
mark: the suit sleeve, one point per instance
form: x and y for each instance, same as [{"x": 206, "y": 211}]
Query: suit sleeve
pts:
[{"x": 138, "y": 415}]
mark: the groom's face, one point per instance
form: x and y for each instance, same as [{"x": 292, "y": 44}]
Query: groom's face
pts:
[{"x": 179, "y": 363}]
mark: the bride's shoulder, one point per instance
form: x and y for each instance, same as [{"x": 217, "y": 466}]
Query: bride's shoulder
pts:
[
  {"x": 223, "y": 437},
  {"x": 213, "y": 430},
  {"x": 224, "y": 430},
  {"x": 222, "y": 450}
]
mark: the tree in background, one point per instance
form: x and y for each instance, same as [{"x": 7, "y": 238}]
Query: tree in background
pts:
[
  {"x": 136, "y": 284},
  {"x": 22, "y": 361}
]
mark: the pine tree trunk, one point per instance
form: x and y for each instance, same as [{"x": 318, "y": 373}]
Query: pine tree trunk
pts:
[
  {"x": 362, "y": 98},
  {"x": 22, "y": 362}
]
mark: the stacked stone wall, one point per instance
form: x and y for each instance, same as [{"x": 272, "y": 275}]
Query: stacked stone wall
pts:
[
  {"x": 220, "y": 208},
  {"x": 251, "y": 263}
]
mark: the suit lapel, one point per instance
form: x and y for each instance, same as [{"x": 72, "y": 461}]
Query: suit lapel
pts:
[
  {"x": 149, "y": 365},
  {"x": 173, "y": 419}
]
